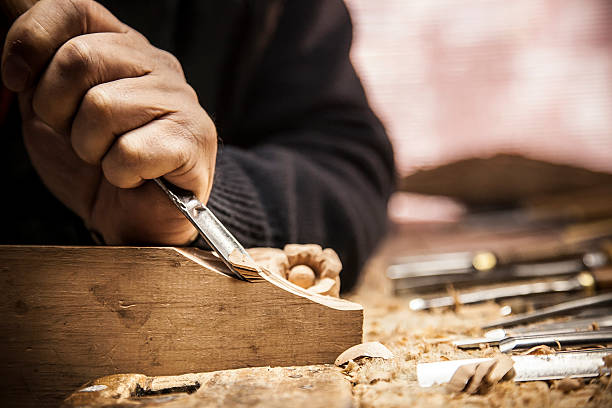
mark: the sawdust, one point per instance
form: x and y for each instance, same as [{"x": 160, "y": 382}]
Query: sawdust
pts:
[{"x": 418, "y": 337}]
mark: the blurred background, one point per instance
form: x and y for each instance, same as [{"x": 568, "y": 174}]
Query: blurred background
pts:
[{"x": 490, "y": 103}]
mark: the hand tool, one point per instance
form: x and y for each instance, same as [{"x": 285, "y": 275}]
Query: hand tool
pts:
[
  {"x": 225, "y": 245},
  {"x": 434, "y": 272},
  {"x": 574, "y": 364},
  {"x": 561, "y": 308},
  {"x": 497, "y": 336},
  {"x": 235, "y": 257},
  {"x": 584, "y": 338},
  {"x": 602, "y": 278}
]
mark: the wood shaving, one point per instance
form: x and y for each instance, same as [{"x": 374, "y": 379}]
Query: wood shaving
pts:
[
  {"x": 273, "y": 259},
  {"x": 568, "y": 384},
  {"x": 371, "y": 349},
  {"x": 539, "y": 350}
]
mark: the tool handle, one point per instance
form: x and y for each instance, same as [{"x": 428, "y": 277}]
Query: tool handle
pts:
[
  {"x": 603, "y": 277},
  {"x": 14, "y": 8}
]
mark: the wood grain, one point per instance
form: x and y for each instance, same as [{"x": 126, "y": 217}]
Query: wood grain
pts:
[
  {"x": 71, "y": 314},
  {"x": 308, "y": 387}
]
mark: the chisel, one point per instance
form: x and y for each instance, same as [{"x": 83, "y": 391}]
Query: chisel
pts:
[
  {"x": 556, "y": 310},
  {"x": 497, "y": 336},
  {"x": 598, "y": 278},
  {"x": 434, "y": 272},
  {"x": 585, "y": 338}
]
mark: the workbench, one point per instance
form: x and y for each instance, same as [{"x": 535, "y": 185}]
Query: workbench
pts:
[{"x": 413, "y": 337}]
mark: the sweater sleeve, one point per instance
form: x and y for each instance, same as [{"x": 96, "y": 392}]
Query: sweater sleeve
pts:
[{"x": 309, "y": 161}]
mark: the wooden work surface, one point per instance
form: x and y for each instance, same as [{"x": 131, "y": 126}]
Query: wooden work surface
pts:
[
  {"x": 73, "y": 314},
  {"x": 413, "y": 337}
]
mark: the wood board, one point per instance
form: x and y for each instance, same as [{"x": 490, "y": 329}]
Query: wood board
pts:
[
  {"x": 72, "y": 314},
  {"x": 323, "y": 386}
]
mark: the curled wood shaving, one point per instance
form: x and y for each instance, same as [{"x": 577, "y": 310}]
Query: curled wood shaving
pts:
[
  {"x": 481, "y": 377},
  {"x": 539, "y": 350},
  {"x": 371, "y": 349},
  {"x": 273, "y": 259}
]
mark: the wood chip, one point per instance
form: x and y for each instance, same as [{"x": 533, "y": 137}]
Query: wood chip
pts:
[
  {"x": 462, "y": 376},
  {"x": 569, "y": 384},
  {"x": 371, "y": 349},
  {"x": 326, "y": 286},
  {"x": 502, "y": 370},
  {"x": 481, "y": 377},
  {"x": 482, "y": 370}
]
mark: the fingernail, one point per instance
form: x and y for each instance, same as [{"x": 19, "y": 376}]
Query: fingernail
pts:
[{"x": 15, "y": 73}]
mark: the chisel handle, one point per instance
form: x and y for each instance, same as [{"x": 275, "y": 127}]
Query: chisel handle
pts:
[{"x": 603, "y": 277}]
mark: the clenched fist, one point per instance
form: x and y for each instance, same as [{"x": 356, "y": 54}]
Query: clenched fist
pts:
[{"x": 104, "y": 111}]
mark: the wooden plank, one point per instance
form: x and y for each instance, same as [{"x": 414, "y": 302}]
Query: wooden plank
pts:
[
  {"x": 308, "y": 387},
  {"x": 71, "y": 314}
]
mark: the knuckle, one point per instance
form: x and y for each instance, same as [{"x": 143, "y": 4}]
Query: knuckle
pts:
[
  {"x": 97, "y": 105},
  {"x": 170, "y": 61},
  {"x": 73, "y": 59},
  {"x": 127, "y": 155}
]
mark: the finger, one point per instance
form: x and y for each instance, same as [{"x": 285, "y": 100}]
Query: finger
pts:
[
  {"x": 37, "y": 34},
  {"x": 114, "y": 108},
  {"x": 165, "y": 147},
  {"x": 80, "y": 64}
]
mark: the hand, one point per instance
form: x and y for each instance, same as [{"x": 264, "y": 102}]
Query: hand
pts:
[{"x": 104, "y": 111}]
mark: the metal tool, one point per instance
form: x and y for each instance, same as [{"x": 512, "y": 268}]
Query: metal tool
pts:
[
  {"x": 235, "y": 257},
  {"x": 585, "y": 338},
  {"x": 434, "y": 272},
  {"x": 561, "y": 308},
  {"x": 575, "y": 364},
  {"x": 497, "y": 336},
  {"x": 524, "y": 289},
  {"x": 602, "y": 278}
]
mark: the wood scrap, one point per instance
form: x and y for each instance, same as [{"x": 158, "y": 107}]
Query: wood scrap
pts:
[
  {"x": 568, "y": 384},
  {"x": 372, "y": 349}
]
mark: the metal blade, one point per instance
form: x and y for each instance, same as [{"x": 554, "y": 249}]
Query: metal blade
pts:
[
  {"x": 494, "y": 337},
  {"x": 565, "y": 307},
  {"x": 225, "y": 245},
  {"x": 593, "y": 337},
  {"x": 483, "y": 295}
]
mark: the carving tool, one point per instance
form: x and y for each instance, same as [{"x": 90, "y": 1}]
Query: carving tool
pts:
[
  {"x": 559, "y": 309},
  {"x": 225, "y": 245},
  {"x": 497, "y": 336},
  {"x": 588, "y": 281},
  {"x": 584, "y": 338},
  {"x": 573, "y": 364},
  {"x": 434, "y": 272}
]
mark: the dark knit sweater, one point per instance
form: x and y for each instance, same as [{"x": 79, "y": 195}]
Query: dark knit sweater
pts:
[{"x": 302, "y": 158}]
